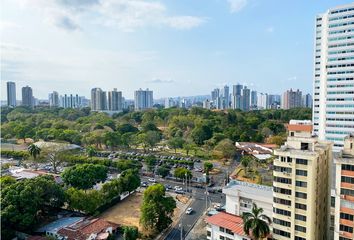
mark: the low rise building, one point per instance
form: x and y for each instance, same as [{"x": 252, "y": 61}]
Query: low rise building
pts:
[{"x": 240, "y": 197}]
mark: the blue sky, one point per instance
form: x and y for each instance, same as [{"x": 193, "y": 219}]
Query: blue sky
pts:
[{"x": 174, "y": 47}]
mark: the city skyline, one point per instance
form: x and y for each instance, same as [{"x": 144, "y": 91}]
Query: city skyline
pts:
[{"x": 87, "y": 54}]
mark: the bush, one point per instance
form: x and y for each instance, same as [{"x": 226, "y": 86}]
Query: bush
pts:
[{"x": 14, "y": 154}]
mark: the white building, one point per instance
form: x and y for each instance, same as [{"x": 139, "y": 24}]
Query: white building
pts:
[
  {"x": 11, "y": 94},
  {"x": 54, "y": 99},
  {"x": 206, "y": 104},
  {"x": 69, "y": 101},
  {"x": 333, "y": 108},
  {"x": 262, "y": 101},
  {"x": 143, "y": 99},
  {"x": 240, "y": 197},
  {"x": 115, "y": 100}
]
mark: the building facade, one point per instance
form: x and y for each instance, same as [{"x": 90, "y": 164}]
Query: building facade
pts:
[
  {"x": 11, "y": 94},
  {"x": 333, "y": 93},
  {"x": 98, "y": 100},
  {"x": 246, "y": 97},
  {"x": 115, "y": 100},
  {"x": 292, "y": 99},
  {"x": 54, "y": 99},
  {"x": 301, "y": 185},
  {"x": 143, "y": 99},
  {"x": 344, "y": 191},
  {"x": 27, "y": 97},
  {"x": 307, "y": 101}
]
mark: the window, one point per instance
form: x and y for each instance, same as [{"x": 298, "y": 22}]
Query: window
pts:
[
  {"x": 281, "y": 233},
  {"x": 348, "y": 167},
  {"x": 221, "y": 229},
  {"x": 208, "y": 233},
  {"x": 300, "y": 217},
  {"x": 301, "y": 195},
  {"x": 300, "y": 206},
  {"x": 304, "y": 146},
  {"x": 301, "y": 184},
  {"x": 282, "y": 212},
  {"x": 281, "y": 222},
  {"x": 346, "y": 216},
  {"x": 289, "y": 160},
  {"x": 282, "y": 169},
  {"x": 301, "y": 161},
  {"x": 282, "y": 201},
  {"x": 282, "y": 180},
  {"x": 344, "y": 238},
  {"x": 301, "y": 172},
  {"x": 222, "y": 238},
  {"x": 299, "y": 238},
  {"x": 228, "y": 231},
  {"x": 348, "y": 179},
  {"x": 282, "y": 190},
  {"x": 345, "y": 228},
  {"x": 347, "y": 192},
  {"x": 300, "y": 228}
]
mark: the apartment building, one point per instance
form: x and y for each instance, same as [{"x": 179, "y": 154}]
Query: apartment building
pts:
[
  {"x": 292, "y": 99},
  {"x": 333, "y": 93},
  {"x": 11, "y": 94},
  {"x": 143, "y": 99},
  {"x": 301, "y": 185},
  {"x": 344, "y": 191}
]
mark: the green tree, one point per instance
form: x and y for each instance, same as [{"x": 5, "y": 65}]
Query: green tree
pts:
[
  {"x": 157, "y": 209},
  {"x": 22, "y": 202},
  {"x": 181, "y": 173},
  {"x": 207, "y": 167},
  {"x": 91, "y": 151},
  {"x": 201, "y": 133},
  {"x": 245, "y": 162},
  {"x": 86, "y": 202},
  {"x": 130, "y": 179},
  {"x": 34, "y": 151},
  {"x": 189, "y": 147},
  {"x": 175, "y": 143},
  {"x": 256, "y": 224},
  {"x": 150, "y": 162},
  {"x": 130, "y": 233},
  {"x": 84, "y": 176},
  {"x": 163, "y": 171},
  {"x": 225, "y": 149}
]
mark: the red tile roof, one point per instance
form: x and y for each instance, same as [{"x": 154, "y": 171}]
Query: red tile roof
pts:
[
  {"x": 83, "y": 229},
  {"x": 229, "y": 221}
]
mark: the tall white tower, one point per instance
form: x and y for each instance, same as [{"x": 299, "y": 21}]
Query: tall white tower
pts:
[{"x": 333, "y": 93}]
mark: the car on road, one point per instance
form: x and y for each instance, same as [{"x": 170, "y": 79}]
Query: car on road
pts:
[
  {"x": 189, "y": 211},
  {"x": 152, "y": 180},
  {"x": 178, "y": 188},
  {"x": 179, "y": 191},
  {"x": 168, "y": 187},
  {"x": 144, "y": 184}
]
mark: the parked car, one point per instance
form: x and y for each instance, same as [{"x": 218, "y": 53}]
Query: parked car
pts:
[
  {"x": 168, "y": 187},
  {"x": 144, "y": 184},
  {"x": 152, "y": 180},
  {"x": 179, "y": 191},
  {"x": 189, "y": 211}
]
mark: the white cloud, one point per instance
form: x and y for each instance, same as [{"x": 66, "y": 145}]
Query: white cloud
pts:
[
  {"x": 126, "y": 15},
  {"x": 157, "y": 80},
  {"x": 237, "y": 5},
  {"x": 8, "y": 25},
  {"x": 270, "y": 29}
]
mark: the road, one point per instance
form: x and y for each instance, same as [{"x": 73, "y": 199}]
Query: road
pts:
[{"x": 199, "y": 205}]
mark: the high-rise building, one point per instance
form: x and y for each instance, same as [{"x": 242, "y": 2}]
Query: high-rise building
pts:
[
  {"x": 307, "y": 101},
  {"x": 115, "y": 100},
  {"x": 236, "y": 97},
  {"x": 143, "y": 99},
  {"x": 215, "y": 94},
  {"x": 301, "y": 185},
  {"x": 254, "y": 99},
  {"x": 292, "y": 99},
  {"x": 344, "y": 191},
  {"x": 246, "y": 97},
  {"x": 206, "y": 104},
  {"x": 27, "y": 97},
  {"x": 274, "y": 101},
  {"x": 333, "y": 108},
  {"x": 54, "y": 99},
  {"x": 11, "y": 94},
  {"x": 98, "y": 100},
  {"x": 262, "y": 101},
  {"x": 226, "y": 97},
  {"x": 70, "y": 101}
]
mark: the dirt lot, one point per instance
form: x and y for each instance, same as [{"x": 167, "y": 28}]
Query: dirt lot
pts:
[{"x": 126, "y": 212}]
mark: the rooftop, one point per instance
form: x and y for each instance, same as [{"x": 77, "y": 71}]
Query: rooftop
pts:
[
  {"x": 229, "y": 221},
  {"x": 255, "y": 148},
  {"x": 253, "y": 188},
  {"x": 58, "y": 224}
]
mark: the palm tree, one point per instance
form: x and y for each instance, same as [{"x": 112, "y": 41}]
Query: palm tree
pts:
[
  {"x": 256, "y": 224},
  {"x": 34, "y": 150}
]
